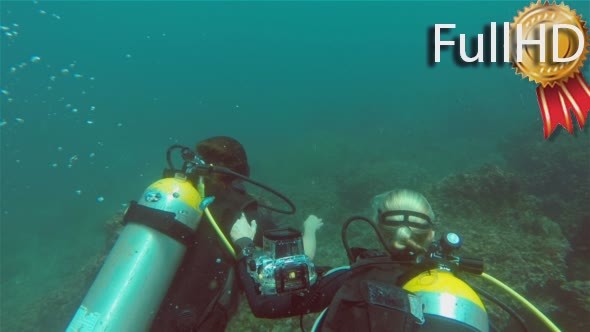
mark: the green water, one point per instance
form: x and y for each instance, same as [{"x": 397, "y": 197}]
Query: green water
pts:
[{"x": 306, "y": 86}]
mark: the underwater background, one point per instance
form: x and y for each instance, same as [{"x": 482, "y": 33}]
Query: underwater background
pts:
[{"x": 335, "y": 102}]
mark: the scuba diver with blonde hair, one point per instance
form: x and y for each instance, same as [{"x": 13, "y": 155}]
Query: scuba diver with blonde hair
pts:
[
  {"x": 402, "y": 217},
  {"x": 412, "y": 230},
  {"x": 411, "y": 286}
]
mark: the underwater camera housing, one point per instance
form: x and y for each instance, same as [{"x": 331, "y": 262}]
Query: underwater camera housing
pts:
[{"x": 282, "y": 265}]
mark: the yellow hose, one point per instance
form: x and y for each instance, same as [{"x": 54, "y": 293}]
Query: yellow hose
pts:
[
  {"x": 201, "y": 190},
  {"x": 220, "y": 233},
  {"x": 524, "y": 301}
]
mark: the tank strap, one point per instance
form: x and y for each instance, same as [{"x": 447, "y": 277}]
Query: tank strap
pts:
[{"x": 162, "y": 221}]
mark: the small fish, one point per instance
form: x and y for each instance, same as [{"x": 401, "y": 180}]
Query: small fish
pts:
[
  {"x": 19, "y": 120},
  {"x": 5, "y": 92},
  {"x": 3, "y": 123},
  {"x": 35, "y": 59},
  {"x": 100, "y": 199}
]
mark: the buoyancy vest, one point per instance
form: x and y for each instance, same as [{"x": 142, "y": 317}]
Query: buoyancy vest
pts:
[{"x": 371, "y": 300}]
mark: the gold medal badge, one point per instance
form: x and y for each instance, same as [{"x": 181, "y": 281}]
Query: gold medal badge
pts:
[{"x": 556, "y": 66}]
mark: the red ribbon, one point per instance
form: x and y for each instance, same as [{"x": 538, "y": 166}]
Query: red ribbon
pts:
[{"x": 557, "y": 101}]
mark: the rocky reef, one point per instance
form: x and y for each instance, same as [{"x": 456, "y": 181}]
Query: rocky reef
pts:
[
  {"x": 557, "y": 171},
  {"x": 506, "y": 227}
]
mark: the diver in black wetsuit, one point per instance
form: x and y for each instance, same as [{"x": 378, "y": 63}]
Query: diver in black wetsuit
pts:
[
  {"x": 405, "y": 220},
  {"x": 204, "y": 293},
  {"x": 377, "y": 292},
  {"x": 412, "y": 287}
]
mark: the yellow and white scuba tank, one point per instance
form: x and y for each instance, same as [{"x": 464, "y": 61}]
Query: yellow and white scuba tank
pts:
[
  {"x": 137, "y": 273},
  {"x": 449, "y": 304}
]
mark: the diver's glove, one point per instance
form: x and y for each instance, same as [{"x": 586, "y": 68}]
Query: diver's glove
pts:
[
  {"x": 310, "y": 226},
  {"x": 242, "y": 232}
]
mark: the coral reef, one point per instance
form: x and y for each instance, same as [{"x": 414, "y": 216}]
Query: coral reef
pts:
[
  {"x": 557, "y": 171},
  {"x": 490, "y": 191},
  {"x": 508, "y": 228}
]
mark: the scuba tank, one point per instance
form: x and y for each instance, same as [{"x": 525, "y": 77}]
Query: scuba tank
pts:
[
  {"x": 448, "y": 303},
  {"x": 130, "y": 286},
  {"x": 135, "y": 277}
]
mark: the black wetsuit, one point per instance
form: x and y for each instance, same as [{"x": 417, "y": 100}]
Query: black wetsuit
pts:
[
  {"x": 322, "y": 293},
  {"x": 204, "y": 292}
]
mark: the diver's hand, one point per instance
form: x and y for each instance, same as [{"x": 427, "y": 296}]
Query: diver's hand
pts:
[
  {"x": 242, "y": 228},
  {"x": 312, "y": 224}
]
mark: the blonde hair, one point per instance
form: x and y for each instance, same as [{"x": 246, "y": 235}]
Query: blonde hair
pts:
[
  {"x": 404, "y": 199},
  {"x": 403, "y": 235}
]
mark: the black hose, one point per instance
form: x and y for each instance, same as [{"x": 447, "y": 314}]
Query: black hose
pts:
[
  {"x": 169, "y": 155},
  {"x": 188, "y": 156},
  {"x": 301, "y": 323},
  {"x": 345, "y": 240},
  {"x": 227, "y": 171}
]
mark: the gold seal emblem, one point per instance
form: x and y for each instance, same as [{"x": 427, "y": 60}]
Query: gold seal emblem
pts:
[{"x": 544, "y": 69}]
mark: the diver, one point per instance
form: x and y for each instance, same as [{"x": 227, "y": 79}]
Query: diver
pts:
[
  {"x": 388, "y": 290},
  {"x": 404, "y": 217},
  {"x": 204, "y": 292},
  {"x": 172, "y": 267},
  {"x": 411, "y": 286}
]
